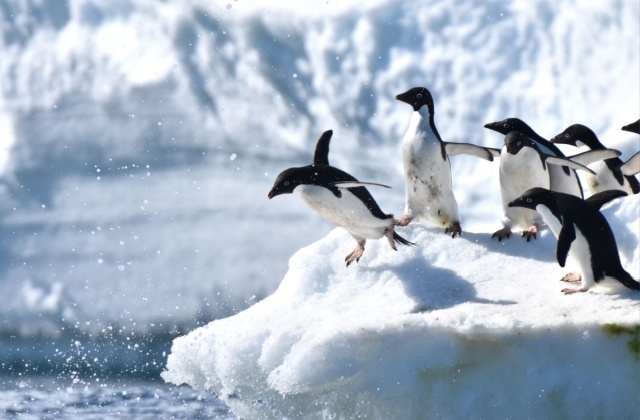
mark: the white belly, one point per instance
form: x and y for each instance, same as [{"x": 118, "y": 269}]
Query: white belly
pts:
[
  {"x": 429, "y": 194},
  {"x": 518, "y": 173},
  {"x": 579, "y": 251},
  {"x": 604, "y": 180},
  {"x": 347, "y": 211},
  {"x": 561, "y": 182}
]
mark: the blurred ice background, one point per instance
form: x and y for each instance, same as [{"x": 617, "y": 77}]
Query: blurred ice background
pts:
[{"x": 139, "y": 140}]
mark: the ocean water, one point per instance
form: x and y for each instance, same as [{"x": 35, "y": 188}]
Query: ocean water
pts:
[
  {"x": 52, "y": 397},
  {"x": 76, "y": 376}
]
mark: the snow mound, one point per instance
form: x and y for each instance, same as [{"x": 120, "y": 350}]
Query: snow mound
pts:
[{"x": 463, "y": 328}]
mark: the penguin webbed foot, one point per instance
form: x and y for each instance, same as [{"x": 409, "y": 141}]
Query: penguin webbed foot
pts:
[
  {"x": 530, "y": 232},
  {"x": 571, "y": 278},
  {"x": 572, "y": 291},
  {"x": 403, "y": 221},
  {"x": 355, "y": 254},
  {"x": 505, "y": 232},
  {"x": 454, "y": 229}
]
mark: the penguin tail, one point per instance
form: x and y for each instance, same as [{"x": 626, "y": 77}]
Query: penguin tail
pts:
[
  {"x": 628, "y": 281},
  {"x": 400, "y": 240}
]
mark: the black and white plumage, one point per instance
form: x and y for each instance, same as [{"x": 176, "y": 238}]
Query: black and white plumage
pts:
[
  {"x": 608, "y": 175},
  {"x": 339, "y": 198},
  {"x": 562, "y": 178},
  {"x": 429, "y": 193},
  {"x": 523, "y": 166},
  {"x": 583, "y": 233}
]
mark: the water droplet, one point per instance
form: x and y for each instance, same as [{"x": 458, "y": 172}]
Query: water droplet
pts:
[
  {"x": 100, "y": 261},
  {"x": 229, "y": 6},
  {"x": 233, "y": 156}
]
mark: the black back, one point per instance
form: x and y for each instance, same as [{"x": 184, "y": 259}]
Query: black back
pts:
[
  {"x": 321, "y": 174},
  {"x": 570, "y": 211},
  {"x": 605, "y": 259}
]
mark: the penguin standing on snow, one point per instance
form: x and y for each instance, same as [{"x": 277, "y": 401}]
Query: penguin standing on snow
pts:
[
  {"x": 524, "y": 166},
  {"x": 608, "y": 175},
  {"x": 583, "y": 233},
  {"x": 339, "y": 198},
  {"x": 429, "y": 194},
  {"x": 562, "y": 178}
]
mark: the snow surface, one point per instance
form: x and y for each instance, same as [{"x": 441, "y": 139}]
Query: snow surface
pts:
[
  {"x": 453, "y": 328},
  {"x": 138, "y": 139}
]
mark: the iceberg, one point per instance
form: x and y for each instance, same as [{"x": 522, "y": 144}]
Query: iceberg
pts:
[{"x": 452, "y": 328}]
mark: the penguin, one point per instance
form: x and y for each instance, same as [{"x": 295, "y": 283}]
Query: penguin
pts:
[
  {"x": 562, "y": 178},
  {"x": 608, "y": 174},
  {"x": 339, "y": 198},
  {"x": 523, "y": 166},
  {"x": 583, "y": 233},
  {"x": 429, "y": 193}
]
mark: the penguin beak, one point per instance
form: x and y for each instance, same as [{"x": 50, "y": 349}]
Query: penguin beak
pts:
[
  {"x": 513, "y": 203},
  {"x": 403, "y": 97},
  {"x": 271, "y": 194},
  {"x": 560, "y": 139}
]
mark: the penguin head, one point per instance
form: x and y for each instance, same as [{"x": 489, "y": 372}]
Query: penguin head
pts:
[
  {"x": 508, "y": 125},
  {"x": 417, "y": 97},
  {"x": 634, "y": 127},
  {"x": 287, "y": 181},
  {"x": 534, "y": 197},
  {"x": 578, "y": 135},
  {"x": 514, "y": 141}
]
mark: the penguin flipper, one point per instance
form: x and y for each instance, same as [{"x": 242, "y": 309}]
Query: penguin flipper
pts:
[
  {"x": 354, "y": 184},
  {"x": 321, "y": 156},
  {"x": 454, "y": 149},
  {"x": 591, "y": 156},
  {"x": 600, "y": 199},
  {"x": 565, "y": 238},
  {"x": 335, "y": 190},
  {"x": 632, "y": 166},
  {"x": 560, "y": 161}
]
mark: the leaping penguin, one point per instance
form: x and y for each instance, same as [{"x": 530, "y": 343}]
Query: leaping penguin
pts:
[
  {"x": 523, "y": 166},
  {"x": 429, "y": 194},
  {"x": 561, "y": 178},
  {"x": 339, "y": 198},
  {"x": 608, "y": 174},
  {"x": 583, "y": 233}
]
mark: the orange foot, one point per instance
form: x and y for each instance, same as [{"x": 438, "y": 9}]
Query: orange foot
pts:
[
  {"x": 530, "y": 232},
  {"x": 572, "y": 278},
  {"x": 355, "y": 254},
  {"x": 570, "y": 291},
  {"x": 404, "y": 220}
]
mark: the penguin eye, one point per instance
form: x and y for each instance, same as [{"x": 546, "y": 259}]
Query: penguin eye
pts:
[
  {"x": 528, "y": 200},
  {"x": 566, "y": 135},
  {"x": 519, "y": 143},
  {"x": 506, "y": 125},
  {"x": 286, "y": 183},
  {"x": 419, "y": 95}
]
